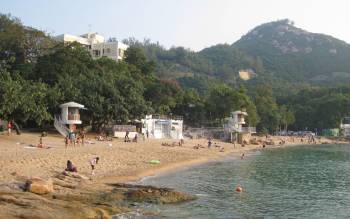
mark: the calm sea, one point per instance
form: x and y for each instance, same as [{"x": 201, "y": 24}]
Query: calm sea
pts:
[{"x": 294, "y": 182}]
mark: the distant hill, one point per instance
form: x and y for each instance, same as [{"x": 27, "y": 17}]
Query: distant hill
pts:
[
  {"x": 276, "y": 51},
  {"x": 294, "y": 54}
]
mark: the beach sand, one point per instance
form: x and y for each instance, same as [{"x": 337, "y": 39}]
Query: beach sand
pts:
[
  {"x": 119, "y": 161},
  {"x": 105, "y": 194}
]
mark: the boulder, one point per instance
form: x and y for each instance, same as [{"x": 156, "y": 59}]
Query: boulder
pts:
[
  {"x": 39, "y": 186},
  {"x": 151, "y": 194}
]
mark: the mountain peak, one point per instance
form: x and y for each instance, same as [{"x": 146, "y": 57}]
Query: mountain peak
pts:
[{"x": 285, "y": 38}]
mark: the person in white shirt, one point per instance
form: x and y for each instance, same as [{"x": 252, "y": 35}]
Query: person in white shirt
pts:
[{"x": 93, "y": 162}]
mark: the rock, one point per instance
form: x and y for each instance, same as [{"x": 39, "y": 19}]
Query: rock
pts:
[
  {"x": 101, "y": 214},
  {"x": 157, "y": 195},
  {"x": 75, "y": 175},
  {"x": 39, "y": 186}
]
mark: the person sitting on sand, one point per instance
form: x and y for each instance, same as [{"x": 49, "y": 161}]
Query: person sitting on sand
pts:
[
  {"x": 242, "y": 156},
  {"x": 135, "y": 138},
  {"x": 93, "y": 162},
  {"x": 182, "y": 142},
  {"x": 71, "y": 167},
  {"x": 222, "y": 149}
]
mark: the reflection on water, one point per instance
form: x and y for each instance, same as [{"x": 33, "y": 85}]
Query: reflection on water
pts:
[{"x": 294, "y": 182}]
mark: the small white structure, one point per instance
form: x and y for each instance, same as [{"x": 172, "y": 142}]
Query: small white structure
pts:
[
  {"x": 158, "y": 127},
  {"x": 235, "y": 122},
  {"x": 69, "y": 116},
  {"x": 234, "y": 127},
  {"x": 97, "y": 45},
  {"x": 345, "y": 127}
]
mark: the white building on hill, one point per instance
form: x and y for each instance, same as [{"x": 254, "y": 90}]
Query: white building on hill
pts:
[{"x": 97, "y": 45}]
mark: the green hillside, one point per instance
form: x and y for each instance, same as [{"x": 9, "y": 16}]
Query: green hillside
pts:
[
  {"x": 276, "y": 51},
  {"x": 294, "y": 54}
]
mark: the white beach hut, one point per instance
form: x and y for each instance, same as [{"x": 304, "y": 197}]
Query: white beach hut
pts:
[{"x": 69, "y": 117}]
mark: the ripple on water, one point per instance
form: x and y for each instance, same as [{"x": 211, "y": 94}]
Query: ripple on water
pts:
[{"x": 294, "y": 182}]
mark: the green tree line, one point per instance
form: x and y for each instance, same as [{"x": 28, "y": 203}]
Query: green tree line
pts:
[{"x": 37, "y": 74}]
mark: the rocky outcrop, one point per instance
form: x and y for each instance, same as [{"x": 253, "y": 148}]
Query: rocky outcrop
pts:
[
  {"x": 151, "y": 194},
  {"x": 68, "y": 196},
  {"x": 39, "y": 186}
]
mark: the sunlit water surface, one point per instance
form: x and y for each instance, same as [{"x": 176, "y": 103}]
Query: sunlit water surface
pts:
[{"x": 293, "y": 182}]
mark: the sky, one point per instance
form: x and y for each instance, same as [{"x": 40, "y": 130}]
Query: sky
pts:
[{"x": 193, "y": 24}]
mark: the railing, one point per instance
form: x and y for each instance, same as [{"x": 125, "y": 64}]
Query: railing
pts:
[
  {"x": 174, "y": 117},
  {"x": 249, "y": 129},
  {"x": 61, "y": 128},
  {"x": 74, "y": 117}
]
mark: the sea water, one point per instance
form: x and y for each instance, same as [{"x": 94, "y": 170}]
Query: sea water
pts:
[{"x": 290, "y": 182}]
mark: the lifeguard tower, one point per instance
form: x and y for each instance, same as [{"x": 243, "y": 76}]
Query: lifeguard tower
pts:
[
  {"x": 345, "y": 127},
  {"x": 68, "y": 119},
  {"x": 235, "y": 129}
]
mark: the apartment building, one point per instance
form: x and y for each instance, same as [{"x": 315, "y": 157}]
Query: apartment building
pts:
[{"x": 97, "y": 45}]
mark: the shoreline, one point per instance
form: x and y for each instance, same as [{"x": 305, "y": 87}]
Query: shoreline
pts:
[
  {"x": 122, "y": 167},
  {"x": 178, "y": 166},
  {"x": 121, "y": 162}
]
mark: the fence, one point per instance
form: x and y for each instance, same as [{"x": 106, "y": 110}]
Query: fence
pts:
[{"x": 212, "y": 132}]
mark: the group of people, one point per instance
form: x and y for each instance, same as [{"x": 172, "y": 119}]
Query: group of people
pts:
[
  {"x": 73, "y": 139},
  {"x": 127, "y": 139},
  {"x": 93, "y": 162}
]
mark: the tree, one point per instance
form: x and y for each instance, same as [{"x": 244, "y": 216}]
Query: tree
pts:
[
  {"x": 267, "y": 109},
  {"x": 22, "y": 100},
  {"x": 287, "y": 117},
  {"x": 222, "y": 100}
]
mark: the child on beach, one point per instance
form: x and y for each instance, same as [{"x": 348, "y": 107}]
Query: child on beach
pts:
[
  {"x": 71, "y": 167},
  {"x": 93, "y": 162}
]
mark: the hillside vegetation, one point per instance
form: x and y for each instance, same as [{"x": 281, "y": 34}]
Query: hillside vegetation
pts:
[{"x": 286, "y": 65}]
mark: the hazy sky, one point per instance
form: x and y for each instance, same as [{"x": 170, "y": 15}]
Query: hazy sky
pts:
[{"x": 194, "y": 24}]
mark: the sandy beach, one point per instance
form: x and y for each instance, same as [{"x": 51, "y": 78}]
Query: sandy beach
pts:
[
  {"x": 105, "y": 194},
  {"x": 119, "y": 161}
]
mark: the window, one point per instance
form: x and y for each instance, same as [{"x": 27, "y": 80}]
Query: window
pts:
[
  {"x": 108, "y": 50},
  {"x": 96, "y": 53}
]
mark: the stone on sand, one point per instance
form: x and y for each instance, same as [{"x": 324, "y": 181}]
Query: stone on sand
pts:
[{"x": 39, "y": 186}]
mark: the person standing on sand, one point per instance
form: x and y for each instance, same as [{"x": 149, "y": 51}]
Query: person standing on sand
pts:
[
  {"x": 126, "y": 138},
  {"x": 209, "y": 142},
  {"x": 72, "y": 138},
  {"x": 66, "y": 141},
  {"x": 9, "y": 127},
  {"x": 82, "y": 137},
  {"x": 93, "y": 162}
]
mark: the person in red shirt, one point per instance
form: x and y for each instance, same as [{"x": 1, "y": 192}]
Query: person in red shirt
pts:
[{"x": 9, "y": 127}]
